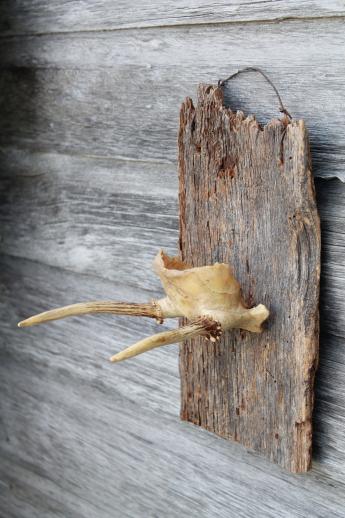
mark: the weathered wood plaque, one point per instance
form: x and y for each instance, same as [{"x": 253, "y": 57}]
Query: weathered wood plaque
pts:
[{"x": 247, "y": 198}]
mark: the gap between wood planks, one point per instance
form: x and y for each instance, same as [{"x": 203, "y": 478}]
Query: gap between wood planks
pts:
[{"x": 175, "y": 25}]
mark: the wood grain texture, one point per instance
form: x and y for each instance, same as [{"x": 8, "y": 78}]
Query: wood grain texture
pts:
[
  {"x": 72, "y": 93},
  {"x": 247, "y": 198},
  {"x": 98, "y": 216},
  {"x": 25, "y": 16},
  {"x": 81, "y": 437}
]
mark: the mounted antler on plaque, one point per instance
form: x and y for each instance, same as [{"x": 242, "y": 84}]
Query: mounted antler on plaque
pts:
[
  {"x": 247, "y": 200},
  {"x": 209, "y": 297}
]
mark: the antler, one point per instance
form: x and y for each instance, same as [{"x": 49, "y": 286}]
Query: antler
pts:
[
  {"x": 152, "y": 310},
  {"x": 208, "y": 296},
  {"x": 202, "y": 326},
  {"x": 156, "y": 309}
]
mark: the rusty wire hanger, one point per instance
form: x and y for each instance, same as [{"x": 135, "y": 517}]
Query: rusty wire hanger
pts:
[{"x": 282, "y": 108}]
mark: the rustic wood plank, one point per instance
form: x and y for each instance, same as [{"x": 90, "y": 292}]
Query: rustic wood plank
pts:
[
  {"x": 79, "y": 437},
  {"x": 98, "y": 216},
  {"x": 247, "y": 198},
  {"x": 40, "y": 16},
  {"x": 71, "y": 93}
]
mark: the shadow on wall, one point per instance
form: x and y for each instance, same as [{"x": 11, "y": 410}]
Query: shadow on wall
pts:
[{"x": 329, "y": 378}]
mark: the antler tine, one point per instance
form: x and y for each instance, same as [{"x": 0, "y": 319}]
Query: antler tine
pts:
[
  {"x": 152, "y": 309},
  {"x": 202, "y": 326}
]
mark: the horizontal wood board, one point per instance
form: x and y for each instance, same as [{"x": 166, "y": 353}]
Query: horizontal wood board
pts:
[
  {"x": 27, "y": 16},
  {"x": 98, "y": 216},
  {"x": 73, "y": 93}
]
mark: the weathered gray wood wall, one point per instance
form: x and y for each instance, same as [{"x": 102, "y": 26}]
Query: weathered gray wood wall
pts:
[{"x": 90, "y": 94}]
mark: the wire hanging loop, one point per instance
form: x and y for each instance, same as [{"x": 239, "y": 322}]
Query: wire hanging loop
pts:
[{"x": 282, "y": 108}]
